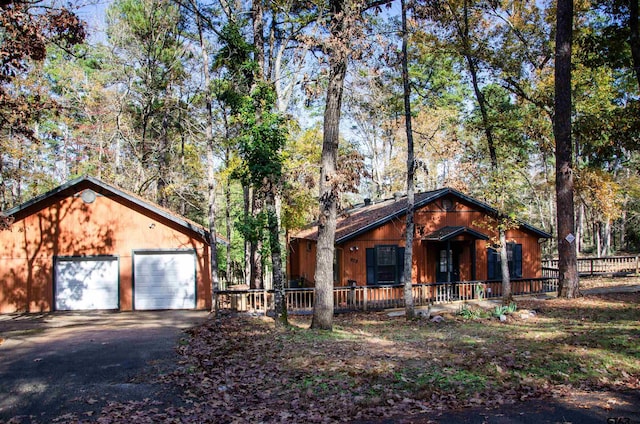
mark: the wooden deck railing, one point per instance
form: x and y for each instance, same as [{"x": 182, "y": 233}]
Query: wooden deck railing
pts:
[
  {"x": 363, "y": 298},
  {"x": 612, "y": 265}
]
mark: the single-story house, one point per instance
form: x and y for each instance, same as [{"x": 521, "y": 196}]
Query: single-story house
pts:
[
  {"x": 87, "y": 245},
  {"x": 453, "y": 241}
]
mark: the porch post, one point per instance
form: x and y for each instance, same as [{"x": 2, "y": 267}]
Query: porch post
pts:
[
  {"x": 473, "y": 260},
  {"x": 448, "y": 264},
  {"x": 449, "y": 288}
]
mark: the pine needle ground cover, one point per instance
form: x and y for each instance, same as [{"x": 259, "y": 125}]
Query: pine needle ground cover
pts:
[{"x": 239, "y": 369}]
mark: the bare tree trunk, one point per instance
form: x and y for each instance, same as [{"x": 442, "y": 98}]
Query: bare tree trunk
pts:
[
  {"x": 607, "y": 238},
  {"x": 568, "y": 283},
  {"x": 257, "y": 280},
  {"x": 211, "y": 177},
  {"x": 482, "y": 103},
  {"x": 634, "y": 40},
  {"x": 280, "y": 302},
  {"x": 323, "y": 307},
  {"x": 623, "y": 228},
  {"x": 211, "y": 184},
  {"x": 246, "y": 195},
  {"x": 487, "y": 126},
  {"x": 408, "y": 250},
  {"x": 258, "y": 200},
  {"x": 163, "y": 158},
  {"x": 580, "y": 227},
  {"x": 507, "y": 296},
  {"x": 228, "y": 224},
  {"x": 258, "y": 36}
]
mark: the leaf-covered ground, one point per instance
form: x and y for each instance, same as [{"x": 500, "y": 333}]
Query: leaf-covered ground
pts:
[{"x": 372, "y": 366}]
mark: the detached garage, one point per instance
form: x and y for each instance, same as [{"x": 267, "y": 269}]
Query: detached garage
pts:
[{"x": 87, "y": 245}]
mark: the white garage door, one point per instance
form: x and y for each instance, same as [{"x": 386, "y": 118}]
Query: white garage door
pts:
[
  {"x": 164, "y": 280},
  {"x": 86, "y": 283}
]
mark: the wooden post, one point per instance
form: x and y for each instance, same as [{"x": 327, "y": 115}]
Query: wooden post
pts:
[
  {"x": 364, "y": 298},
  {"x": 266, "y": 302},
  {"x": 351, "y": 299}
]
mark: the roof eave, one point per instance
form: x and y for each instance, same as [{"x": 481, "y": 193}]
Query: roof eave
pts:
[{"x": 459, "y": 231}]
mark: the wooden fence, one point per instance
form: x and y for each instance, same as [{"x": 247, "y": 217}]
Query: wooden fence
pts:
[
  {"x": 612, "y": 265},
  {"x": 364, "y": 298}
]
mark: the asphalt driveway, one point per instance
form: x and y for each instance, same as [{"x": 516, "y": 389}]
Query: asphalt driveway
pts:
[{"x": 58, "y": 363}]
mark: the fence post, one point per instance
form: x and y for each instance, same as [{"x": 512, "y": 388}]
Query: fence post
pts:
[
  {"x": 266, "y": 302},
  {"x": 351, "y": 298},
  {"x": 364, "y": 298}
]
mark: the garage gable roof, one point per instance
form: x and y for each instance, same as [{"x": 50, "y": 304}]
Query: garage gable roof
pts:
[
  {"x": 78, "y": 185},
  {"x": 356, "y": 221}
]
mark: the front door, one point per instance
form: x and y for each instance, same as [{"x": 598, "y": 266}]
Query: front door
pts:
[{"x": 448, "y": 262}]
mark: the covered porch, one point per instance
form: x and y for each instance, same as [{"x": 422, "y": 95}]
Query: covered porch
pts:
[{"x": 452, "y": 253}]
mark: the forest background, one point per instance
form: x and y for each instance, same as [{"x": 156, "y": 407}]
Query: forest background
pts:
[{"x": 215, "y": 110}]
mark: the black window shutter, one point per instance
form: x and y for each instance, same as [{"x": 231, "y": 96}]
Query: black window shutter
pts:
[
  {"x": 492, "y": 264},
  {"x": 400, "y": 265},
  {"x": 371, "y": 266},
  {"x": 517, "y": 261}
]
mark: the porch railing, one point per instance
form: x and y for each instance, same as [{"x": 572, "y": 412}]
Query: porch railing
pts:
[
  {"x": 611, "y": 265},
  {"x": 363, "y": 298}
]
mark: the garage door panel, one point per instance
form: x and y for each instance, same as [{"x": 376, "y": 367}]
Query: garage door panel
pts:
[
  {"x": 86, "y": 284},
  {"x": 164, "y": 281}
]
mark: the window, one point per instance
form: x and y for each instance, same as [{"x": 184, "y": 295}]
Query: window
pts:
[
  {"x": 385, "y": 264},
  {"x": 514, "y": 255},
  {"x": 444, "y": 260}
]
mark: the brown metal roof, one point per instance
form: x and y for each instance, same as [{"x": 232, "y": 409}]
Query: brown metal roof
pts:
[{"x": 357, "y": 220}]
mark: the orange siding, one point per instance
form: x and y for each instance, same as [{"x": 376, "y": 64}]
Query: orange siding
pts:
[
  {"x": 70, "y": 227},
  {"x": 302, "y": 261}
]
